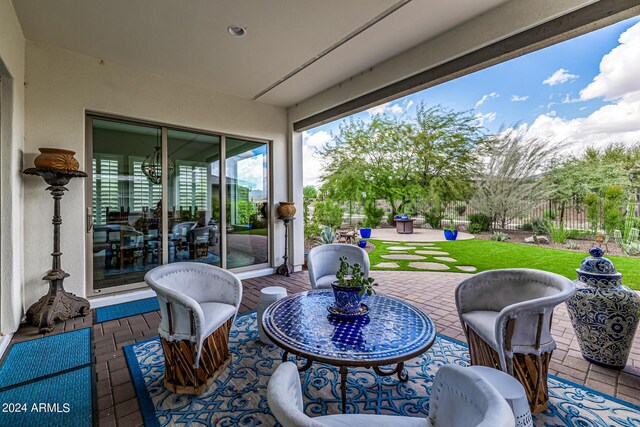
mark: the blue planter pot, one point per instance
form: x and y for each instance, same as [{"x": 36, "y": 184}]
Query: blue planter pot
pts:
[
  {"x": 362, "y": 244},
  {"x": 348, "y": 299},
  {"x": 451, "y": 235},
  {"x": 365, "y": 233}
]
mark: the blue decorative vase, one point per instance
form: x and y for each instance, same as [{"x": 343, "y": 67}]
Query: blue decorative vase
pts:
[
  {"x": 348, "y": 299},
  {"x": 451, "y": 235},
  {"x": 603, "y": 311},
  {"x": 365, "y": 233},
  {"x": 362, "y": 244}
]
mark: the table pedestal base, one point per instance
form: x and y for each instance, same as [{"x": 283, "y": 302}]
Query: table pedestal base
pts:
[
  {"x": 57, "y": 304},
  {"x": 344, "y": 370}
]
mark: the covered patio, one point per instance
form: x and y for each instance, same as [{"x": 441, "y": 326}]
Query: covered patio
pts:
[
  {"x": 186, "y": 123},
  {"x": 432, "y": 292}
]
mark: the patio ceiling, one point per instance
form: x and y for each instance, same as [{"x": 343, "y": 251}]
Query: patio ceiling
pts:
[{"x": 293, "y": 49}]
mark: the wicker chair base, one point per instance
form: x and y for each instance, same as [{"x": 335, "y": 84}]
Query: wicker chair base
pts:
[
  {"x": 181, "y": 377},
  {"x": 530, "y": 370}
]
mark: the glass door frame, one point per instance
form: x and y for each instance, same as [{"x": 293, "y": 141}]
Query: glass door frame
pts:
[{"x": 89, "y": 116}]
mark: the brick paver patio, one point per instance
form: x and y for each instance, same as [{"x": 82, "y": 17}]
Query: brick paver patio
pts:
[{"x": 432, "y": 292}]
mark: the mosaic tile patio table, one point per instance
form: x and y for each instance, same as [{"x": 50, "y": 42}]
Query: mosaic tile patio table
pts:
[{"x": 392, "y": 333}]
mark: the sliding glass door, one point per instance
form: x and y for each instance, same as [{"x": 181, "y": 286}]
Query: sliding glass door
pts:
[
  {"x": 127, "y": 223},
  {"x": 210, "y": 193},
  {"x": 194, "y": 197},
  {"x": 246, "y": 183}
]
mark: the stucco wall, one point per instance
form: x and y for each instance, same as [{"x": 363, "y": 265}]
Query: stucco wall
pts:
[
  {"x": 12, "y": 137},
  {"x": 62, "y": 85}
]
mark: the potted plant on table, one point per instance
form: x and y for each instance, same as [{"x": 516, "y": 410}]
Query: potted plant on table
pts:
[
  {"x": 451, "y": 233},
  {"x": 349, "y": 288}
]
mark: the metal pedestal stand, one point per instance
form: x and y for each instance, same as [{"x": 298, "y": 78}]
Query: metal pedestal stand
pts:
[
  {"x": 57, "y": 304},
  {"x": 285, "y": 269}
]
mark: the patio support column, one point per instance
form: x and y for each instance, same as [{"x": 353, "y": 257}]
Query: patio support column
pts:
[{"x": 295, "y": 184}]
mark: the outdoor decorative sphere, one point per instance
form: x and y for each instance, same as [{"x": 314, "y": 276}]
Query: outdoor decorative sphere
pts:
[{"x": 603, "y": 311}]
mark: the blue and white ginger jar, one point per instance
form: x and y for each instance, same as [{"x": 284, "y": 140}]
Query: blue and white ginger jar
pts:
[{"x": 603, "y": 311}]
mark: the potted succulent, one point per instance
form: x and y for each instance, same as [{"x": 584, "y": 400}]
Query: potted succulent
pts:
[
  {"x": 451, "y": 233},
  {"x": 349, "y": 288}
]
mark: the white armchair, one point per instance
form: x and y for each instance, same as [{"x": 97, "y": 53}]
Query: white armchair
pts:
[
  {"x": 198, "y": 303},
  {"x": 323, "y": 262},
  {"x": 506, "y": 316},
  {"x": 459, "y": 398}
]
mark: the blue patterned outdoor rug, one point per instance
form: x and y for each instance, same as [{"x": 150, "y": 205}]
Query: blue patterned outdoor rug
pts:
[
  {"x": 238, "y": 396},
  {"x": 118, "y": 311}
]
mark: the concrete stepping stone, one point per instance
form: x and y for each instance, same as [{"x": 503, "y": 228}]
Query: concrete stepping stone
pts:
[
  {"x": 445, "y": 258},
  {"x": 389, "y": 243},
  {"x": 403, "y": 256},
  {"x": 387, "y": 265},
  {"x": 469, "y": 268},
  {"x": 401, "y": 248},
  {"x": 428, "y": 245},
  {"x": 428, "y": 266},
  {"x": 432, "y": 252}
]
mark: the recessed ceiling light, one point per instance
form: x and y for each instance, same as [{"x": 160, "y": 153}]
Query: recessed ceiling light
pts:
[{"x": 237, "y": 30}]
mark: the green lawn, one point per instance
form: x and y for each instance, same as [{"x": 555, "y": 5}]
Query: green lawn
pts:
[{"x": 489, "y": 255}]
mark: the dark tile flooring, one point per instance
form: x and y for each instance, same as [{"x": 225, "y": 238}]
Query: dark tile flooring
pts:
[{"x": 433, "y": 292}]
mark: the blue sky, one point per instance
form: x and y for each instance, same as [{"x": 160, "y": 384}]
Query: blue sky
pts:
[{"x": 582, "y": 92}]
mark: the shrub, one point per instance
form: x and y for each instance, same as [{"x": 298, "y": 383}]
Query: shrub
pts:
[
  {"x": 539, "y": 225},
  {"x": 526, "y": 227},
  {"x": 372, "y": 216},
  {"x": 328, "y": 213},
  {"x": 572, "y": 245},
  {"x": 475, "y": 228},
  {"x": 550, "y": 214},
  {"x": 478, "y": 221},
  {"x": 390, "y": 218},
  {"x": 311, "y": 230},
  {"x": 592, "y": 202},
  {"x": 612, "y": 218},
  {"x": 557, "y": 234},
  {"x": 579, "y": 234},
  {"x": 433, "y": 217},
  {"x": 461, "y": 209},
  {"x": 499, "y": 236}
]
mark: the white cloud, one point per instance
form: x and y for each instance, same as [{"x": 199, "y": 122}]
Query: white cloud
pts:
[
  {"x": 611, "y": 123},
  {"x": 619, "y": 69},
  {"x": 615, "y": 122},
  {"x": 396, "y": 109},
  {"x": 481, "y": 119},
  {"x": 516, "y": 98},
  {"x": 385, "y": 108},
  {"x": 568, "y": 100},
  {"x": 314, "y": 164},
  {"x": 409, "y": 104},
  {"x": 485, "y": 98},
  {"x": 560, "y": 76}
]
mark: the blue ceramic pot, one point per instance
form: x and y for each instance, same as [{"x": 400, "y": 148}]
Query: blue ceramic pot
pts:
[
  {"x": 603, "y": 311},
  {"x": 451, "y": 235},
  {"x": 348, "y": 298},
  {"x": 362, "y": 244},
  {"x": 365, "y": 233}
]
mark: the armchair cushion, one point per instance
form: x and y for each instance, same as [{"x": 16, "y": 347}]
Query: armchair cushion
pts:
[
  {"x": 370, "y": 420},
  {"x": 215, "y": 314},
  {"x": 483, "y": 322}
]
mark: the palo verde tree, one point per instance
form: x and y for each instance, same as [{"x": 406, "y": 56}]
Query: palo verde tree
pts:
[
  {"x": 429, "y": 159},
  {"x": 509, "y": 183}
]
